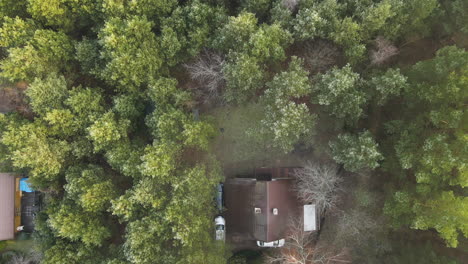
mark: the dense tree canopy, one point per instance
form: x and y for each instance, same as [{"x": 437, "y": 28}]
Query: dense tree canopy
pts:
[
  {"x": 113, "y": 127},
  {"x": 44, "y": 52},
  {"x": 431, "y": 142}
]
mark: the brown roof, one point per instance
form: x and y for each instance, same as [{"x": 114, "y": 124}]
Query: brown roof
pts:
[
  {"x": 274, "y": 173},
  {"x": 244, "y": 195},
  {"x": 7, "y": 206},
  {"x": 239, "y": 197}
]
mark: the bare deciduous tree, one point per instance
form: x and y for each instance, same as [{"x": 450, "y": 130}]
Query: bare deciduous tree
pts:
[
  {"x": 12, "y": 98},
  {"x": 207, "y": 71},
  {"x": 319, "y": 184},
  {"x": 290, "y": 4},
  {"x": 384, "y": 51},
  {"x": 300, "y": 249},
  {"x": 320, "y": 55}
]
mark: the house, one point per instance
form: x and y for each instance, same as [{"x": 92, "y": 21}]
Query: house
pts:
[
  {"x": 8, "y": 208},
  {"x": 18, "y": 206},
  {"x": 260, "y": 208}
]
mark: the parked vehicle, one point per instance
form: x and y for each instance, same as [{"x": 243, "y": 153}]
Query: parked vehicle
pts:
[
  {"x": 220, "y": 228},
  {"x": 220, "y": 197},
  {"x": 275, "y": 244}
]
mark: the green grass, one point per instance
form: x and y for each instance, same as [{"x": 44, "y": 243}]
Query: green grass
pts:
[
  {"x": 237, "y": 147},
  {"x": 234, "y": 143}
]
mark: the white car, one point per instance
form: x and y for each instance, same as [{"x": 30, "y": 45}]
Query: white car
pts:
[
  {"x": 220, "y": 228},
  {"x": 275, "y": 244}
]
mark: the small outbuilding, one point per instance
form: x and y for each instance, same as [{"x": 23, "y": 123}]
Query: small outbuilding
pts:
[{"x": 7, "y": 206}]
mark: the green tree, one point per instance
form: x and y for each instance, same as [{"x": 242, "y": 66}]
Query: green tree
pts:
[
  {"x": 90, "y": 187},
  {"x": 47, "y": 94},
  {"x": 88, "y": 55},
  {"x": 160, "y": 161},
  {"x": 431, "y": 147},
  {"x": 62, "y": 123},
  {"x": 259, "y": 8},
  {"x": 71, "y": 222},
  {"x": 128, "y": 106},
  {"x": 12, "y": 8},
  {"x": 286, "y": 122},
  {"x": 125, "y": 157},
  {"x": 241, "y": 34},
  {"x": 339, "y": 91},
  {"x": 187, "y": 30},
  {"x": 64, "y": 252},
  {"x": 198, "y": 134},
  {"x": 375, "y": 17},
  {"x": 249, "y": 48},
  {"x": 348, "y": 33},
  {"x": 149, "y": 239},
  {"x": 189, "y": 209},
  {"x": 143, "y": 195},
  {"x": 235, "y": 34},
  {"x": 445, "y": 212},
  {"x": 87, "y": 104},
  {"x": 387, "y": 85},
  {"x": 16, "y": 32},
  {"x": 164, "y": 93},
  {"x": 167, "y": 120},
  {"x": 308, "y": 24},
  {"x": 176, "y": 126},
  {"x": 29, "y": 147},
  {"x": 152, "y": 9},
  {"x": 281, "y": 15},
  {"x": 64, "y": 14},
  {"x": 268, "y": 42},
  {"x": 47, "y": 52},
  {"x": 293, "y": 82},
  {"x": 131, "y": 52},
  {"x": 408, "y": 252},
  {"x": 107, "y": 130},
  {"x": 244, "y": 75},
  {"x": 126, "y": 207},
  {"x": 454, "y": 18},
  {"x": 356, "y": 152},
  {"x": 434, "y": 121},
  {"x": 410, "y": 17}
]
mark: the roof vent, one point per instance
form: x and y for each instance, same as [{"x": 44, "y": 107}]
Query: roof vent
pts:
[
  {"x": 258, "y": 210},
  {"x": 275, "y": 211}
]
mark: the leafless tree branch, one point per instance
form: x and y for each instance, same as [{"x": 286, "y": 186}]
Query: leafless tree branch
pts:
[
  {"x": 384, "y": 51},
  {"x": 290, "y": 4},
  {"x": 299, "y": 249},
  {"x": 320, "y": 55},
  {"x": 206, "y": 70},
  {"x": 326, "y": 256},
  {"x": 319, "y": 184}
]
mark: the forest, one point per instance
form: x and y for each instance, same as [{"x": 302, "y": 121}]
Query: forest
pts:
[{"x": 118, "y": 120}]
